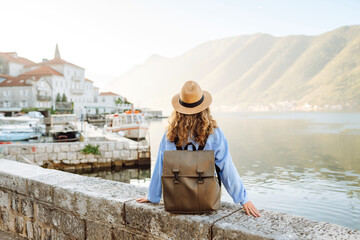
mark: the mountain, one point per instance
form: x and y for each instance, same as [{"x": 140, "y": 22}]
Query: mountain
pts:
[{"x": 255, "y": 69}]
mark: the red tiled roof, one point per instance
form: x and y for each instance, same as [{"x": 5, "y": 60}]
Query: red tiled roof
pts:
[
  {"x": 15, "y": 81},
  {"x": 42, "y": 71},
  {"x": 86, "y": 79},
  {"x": 9, "y": 56},
  {"x": 53, "y": 62},
  {"x": 108, "y": 94}
]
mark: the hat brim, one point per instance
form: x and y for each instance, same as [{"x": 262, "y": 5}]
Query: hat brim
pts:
[{"x": 186, "y": 110}]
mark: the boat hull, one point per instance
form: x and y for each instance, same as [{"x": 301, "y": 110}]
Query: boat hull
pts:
[{"x": 17, "y": 136}]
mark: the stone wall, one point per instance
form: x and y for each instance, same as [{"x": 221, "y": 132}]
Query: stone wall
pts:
[
  {"x": 67, "y": 156},
  {"x": 39, "y": 203}
]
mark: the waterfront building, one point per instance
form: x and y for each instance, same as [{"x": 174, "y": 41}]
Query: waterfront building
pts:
[
  {"x": 63, "y": 78},
  {"x": 24, "y": 92},
  {"x": 106, "y": 103}
]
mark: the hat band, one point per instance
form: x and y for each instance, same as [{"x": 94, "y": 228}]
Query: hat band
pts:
[{"x": 192, "y": 105}]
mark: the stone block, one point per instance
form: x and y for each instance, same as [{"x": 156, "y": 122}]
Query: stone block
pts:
[
  {"x": 81, "y": 155},
  {"x": 26, "y": 150},
  {"x": 274, "y": 225},
  {"x": 92, "y": 160},
  {"x": 74, "y": 147},
  {"x": 153, "y": 219},
  {"x": 29, "y": 230},
  {"x": 126, "y": 145},
  {"x": 49, "y": 148},
  {"x": 111, "y": 146},
  {"x": 64, "y": 147},
  {"x": 4, "y": 199},
  {"x": 62, "y": 155},
  {"x": 119, "y": 145},
  {"x": 40, "y": 191},
  {"x": 57, "y": 149},
  {"x": 27, "y": 207},
  {"x": 134, "y": 154},
  {"x": 95, "y": 231},
  {"x": 89, "y": 156},
  {"x": 71, "y": 156},
  {"x": 124, "y": 154},
  {"x": 127, "y": 233},
  {"x": 52, "y": 156},
  {"x": 107, "y": 154},
  {"x": 41, "y": 148},
  {"x": 103, "y": 147},
  {"x": 76, "y": 161},
  {"x": 19, "y": 224},
  {"x": 63, "y": 220},
  {"x": 37, "y": 231},
  {"x": 40, "y": 158},
  {"x": 85, "y": 160},
  {"x": 14, "y": 150},
  {"x": 13, "y": 183},
  {"x": 7, "y": 220},
  {"x": 116, "y": 154}
]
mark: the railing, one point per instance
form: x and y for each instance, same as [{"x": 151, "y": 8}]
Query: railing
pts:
[
  {"x": 77, "y": 91},
  {"x": 63, "y": 105},
  {"x": 76, "y": 78},
  {"x": 43, "y": 98}
]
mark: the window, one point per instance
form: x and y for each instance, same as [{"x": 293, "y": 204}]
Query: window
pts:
[
  {"x": 23, "y": 104},
  {"x": 103, "y": 99}
]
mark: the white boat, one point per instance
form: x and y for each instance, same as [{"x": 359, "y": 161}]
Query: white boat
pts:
[
  {"x": 130, "y": 124},
  {"x": 63, "y": 128},
  {"x": 19, "y": 128}
]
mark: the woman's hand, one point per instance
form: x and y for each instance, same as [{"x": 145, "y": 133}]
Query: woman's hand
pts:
[
  {"x": 142, "y": 200},
  {"x": 250, "y": 208}
]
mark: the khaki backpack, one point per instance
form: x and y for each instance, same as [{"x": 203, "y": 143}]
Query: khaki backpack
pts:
[{"x": 188, "y": 180}]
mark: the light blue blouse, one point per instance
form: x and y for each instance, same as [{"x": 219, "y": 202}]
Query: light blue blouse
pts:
[{"x": 228, "y": 173}]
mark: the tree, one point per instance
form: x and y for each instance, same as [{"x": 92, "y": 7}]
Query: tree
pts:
[
  {"x": 58, "y": 97},
  {"x": 64, "y": 98},
  {"x": 119, "y": 101}
]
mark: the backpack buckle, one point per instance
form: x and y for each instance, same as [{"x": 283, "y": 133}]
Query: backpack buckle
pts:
[
  {"x": 176, "y": 179},
  {"x": 200, "y": 179}
]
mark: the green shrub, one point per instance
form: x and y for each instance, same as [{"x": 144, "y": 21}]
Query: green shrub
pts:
[{"x": 91, "y": 149}]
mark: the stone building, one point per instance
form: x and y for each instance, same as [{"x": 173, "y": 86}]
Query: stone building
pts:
[
  {"x": 23, "y": 92},
  {"x": 62, "y": 77}
]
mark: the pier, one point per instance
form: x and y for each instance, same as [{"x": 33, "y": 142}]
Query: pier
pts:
[
  {"x": 39, "y": 203},
  {"x": 68, "y": 157}
]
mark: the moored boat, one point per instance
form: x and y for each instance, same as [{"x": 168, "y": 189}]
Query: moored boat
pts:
[
  {"x": 19, "y": 128},
  {"x": 131, "y": 123}
]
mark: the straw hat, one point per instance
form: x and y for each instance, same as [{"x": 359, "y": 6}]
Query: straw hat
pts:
[{"x": 192, "y": 99}]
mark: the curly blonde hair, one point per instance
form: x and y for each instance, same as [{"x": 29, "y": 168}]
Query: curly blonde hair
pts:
[{"x": 198, "y": 126}]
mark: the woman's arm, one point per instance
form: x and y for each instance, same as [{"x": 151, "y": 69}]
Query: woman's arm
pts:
[
  {"x": 229, "y": 175},
  {"x": 155, "y": 189}
]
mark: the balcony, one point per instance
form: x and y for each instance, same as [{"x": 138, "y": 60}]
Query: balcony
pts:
[
  {"x": 63, "y": 105},
  {"x": 43, "y": 98},
  {"x": 76, "y": 78},
  {"x": 77, "y": 91}
]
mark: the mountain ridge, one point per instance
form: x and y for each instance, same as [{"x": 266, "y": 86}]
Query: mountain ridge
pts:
[{"x": 252, "y": 69}]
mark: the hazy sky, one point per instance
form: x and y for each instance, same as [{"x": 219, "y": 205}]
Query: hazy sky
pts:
[{"x": 110, "y": 36}]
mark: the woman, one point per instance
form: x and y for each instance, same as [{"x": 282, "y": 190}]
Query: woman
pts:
[{"x": 191, "y": 121}]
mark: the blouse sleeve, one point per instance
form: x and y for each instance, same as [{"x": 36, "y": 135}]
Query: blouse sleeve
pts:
[
  {"x": 155, "y": 190},
  {"x": 228, "y": 173}
]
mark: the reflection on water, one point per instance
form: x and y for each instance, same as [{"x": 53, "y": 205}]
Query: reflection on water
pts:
[{"x": 136, "y": 176}]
